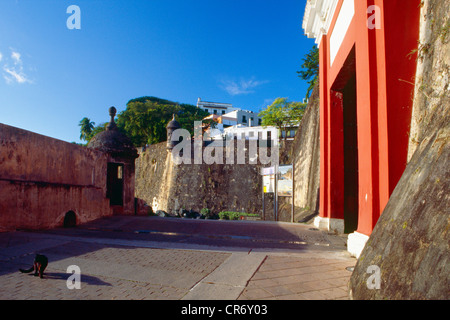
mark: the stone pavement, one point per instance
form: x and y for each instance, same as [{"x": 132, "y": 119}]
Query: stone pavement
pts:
[
  {"x": 126, "y": 265},
  {"x": 299, "y": 278}
]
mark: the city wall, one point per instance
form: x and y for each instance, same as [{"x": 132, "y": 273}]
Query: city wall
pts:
[
  {"x": 166, "y": 186},
  {"x": 169, "y": 187},
  {"x": 42, "y": 179},
  {"x": 305, "y": 152}
]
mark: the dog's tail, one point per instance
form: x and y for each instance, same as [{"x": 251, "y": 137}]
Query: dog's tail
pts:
[{"x": 27, "y": 270}]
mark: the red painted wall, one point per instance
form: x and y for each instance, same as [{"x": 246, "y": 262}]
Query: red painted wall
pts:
[
  {"x": 382, "y": 57},
  {"x": 323, "y": 78},
  {"x": 401, "y": 34}
]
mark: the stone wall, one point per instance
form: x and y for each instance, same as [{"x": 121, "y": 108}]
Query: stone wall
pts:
[
  {"x": 153, "y": 176},
  {"x": 41, "y": 179},
  {"x": 166, "y": 186},
  {"x": 304, "y": 153},
  {"x": 306, "y": 159},
  {"x": 235, "y": 187},
  {"x": 410, "y": 242},
  {"x": 431, "y": 105}
]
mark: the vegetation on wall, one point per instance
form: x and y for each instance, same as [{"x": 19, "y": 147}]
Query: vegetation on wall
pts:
[
  {"x": 310, "y": 69},
  {"x": 230, "y": 215},
  {"x": 283, "y": 113}
]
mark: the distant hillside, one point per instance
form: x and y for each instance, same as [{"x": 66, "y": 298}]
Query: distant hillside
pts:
[
  {"x": 152, "y": 99},
  {"x": 145, "y": 119}
]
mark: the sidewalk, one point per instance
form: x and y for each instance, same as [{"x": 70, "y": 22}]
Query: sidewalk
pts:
[
  {"x": 299, "y": 278},
  {"x": 126, "y": 265}
]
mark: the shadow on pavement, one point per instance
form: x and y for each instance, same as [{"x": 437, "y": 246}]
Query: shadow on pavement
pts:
[{"x": 86, "y": 279}]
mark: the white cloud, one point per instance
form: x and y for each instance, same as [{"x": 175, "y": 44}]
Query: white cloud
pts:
[
  {"x": 268, "y": 102},
  {"x": 15, "y": 73},
  {"x": 243, "y": 86},
  {"x": 16, "y": 57}
]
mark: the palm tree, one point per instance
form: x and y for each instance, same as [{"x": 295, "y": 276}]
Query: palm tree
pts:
[{"x": 87, "y": 126}]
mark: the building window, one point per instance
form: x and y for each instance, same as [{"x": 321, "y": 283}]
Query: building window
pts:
[
  {"x": 244, "y": 119},
  {"x": 215, "y": 111},
  {"x": 223, "y": 111}
]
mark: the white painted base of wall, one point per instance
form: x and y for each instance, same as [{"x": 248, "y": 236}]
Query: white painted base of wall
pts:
[
  {"x": 330, "y": 224},
  {"x": 355, "y": 243}
]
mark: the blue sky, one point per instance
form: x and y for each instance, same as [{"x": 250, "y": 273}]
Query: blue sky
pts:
[{"x": 244, "y": 52}]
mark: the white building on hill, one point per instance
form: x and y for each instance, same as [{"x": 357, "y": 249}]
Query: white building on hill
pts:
[
  {"x": 240, "y": 123},
  {"x": 215, "y": 107}
]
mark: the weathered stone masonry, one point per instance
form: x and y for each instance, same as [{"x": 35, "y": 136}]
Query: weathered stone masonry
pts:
[{"x": 218, "y": 187}]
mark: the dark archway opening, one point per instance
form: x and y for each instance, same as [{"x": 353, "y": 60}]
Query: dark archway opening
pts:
[
  {"x": 70, "y": 220},
  {"x": 345, "y": 85},
  {"x": 115, "y": 184}
]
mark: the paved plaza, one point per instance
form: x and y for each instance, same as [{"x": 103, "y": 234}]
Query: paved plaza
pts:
[{"x": 151, "y": 258}]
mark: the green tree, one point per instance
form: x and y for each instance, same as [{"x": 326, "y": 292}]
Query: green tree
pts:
[
  {"x": 310, "y": 66},
  {"x": 99, "y": 128},
  {"x": 296, "y": 111},
  {"x": 145, "y": 119},
  {"x": 282, "y": 113},
  {"x": 275, "y": 114},
  {"x": 86, "y": 129},
  {"x": 188, "y": 114}
]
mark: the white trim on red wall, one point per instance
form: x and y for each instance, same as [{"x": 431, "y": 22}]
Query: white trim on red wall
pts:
[
  {"x": 318, "y": 17},
  {"x": 340, "y": 29}
]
